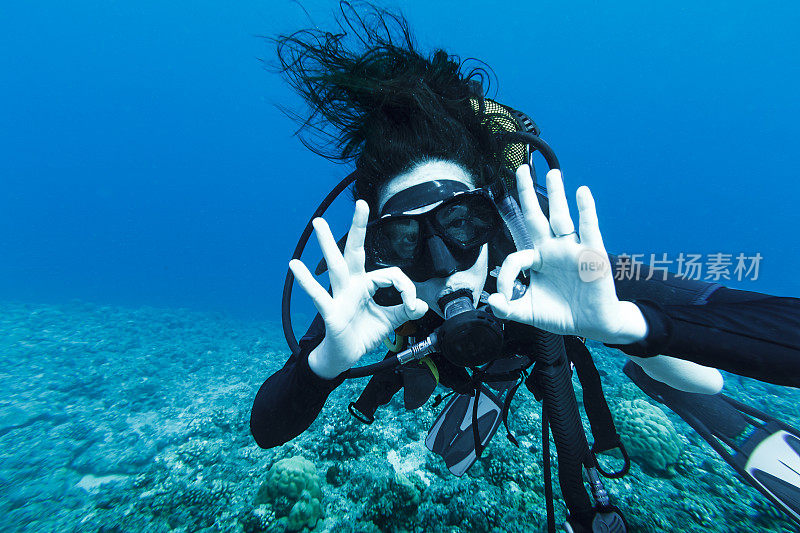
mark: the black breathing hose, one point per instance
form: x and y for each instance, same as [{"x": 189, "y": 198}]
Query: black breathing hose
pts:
[
  {"x": 368, "y": 370},
  {"x": 551, "y": 380},
  {"x": 286, "y": 300}
]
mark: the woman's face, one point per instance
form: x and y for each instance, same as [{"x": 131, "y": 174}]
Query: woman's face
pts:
[{"x": 473, "y": 278}]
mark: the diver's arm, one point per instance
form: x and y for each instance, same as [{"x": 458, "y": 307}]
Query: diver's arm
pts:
[
  {"x": 349, "y": 324},
  {"x": 292, "y": 398},
  {"x": 747, "y": 333}
]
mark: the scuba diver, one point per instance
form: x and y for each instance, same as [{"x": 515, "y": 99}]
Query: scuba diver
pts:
[{"x": 477, "y": 271}]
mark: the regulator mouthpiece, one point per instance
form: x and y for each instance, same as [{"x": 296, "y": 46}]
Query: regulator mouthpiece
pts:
[
  {"x": 456, "y": 303},
  {"x": 468, "y": 337}
]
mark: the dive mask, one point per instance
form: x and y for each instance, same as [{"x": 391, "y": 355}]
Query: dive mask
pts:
[{"x": 433, "y": 242}]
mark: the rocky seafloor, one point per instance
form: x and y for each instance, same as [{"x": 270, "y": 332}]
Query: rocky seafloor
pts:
[{"x": 115, "y": 419}]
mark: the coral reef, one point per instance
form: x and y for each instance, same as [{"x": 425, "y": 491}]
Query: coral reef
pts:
[
  {"x": 119, "y": 419},
  {"x": 647, "y": 433},
  {"x": 292, "y": 489}
]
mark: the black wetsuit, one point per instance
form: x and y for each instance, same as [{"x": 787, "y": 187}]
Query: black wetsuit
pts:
[{"x": 746, "y": 333}]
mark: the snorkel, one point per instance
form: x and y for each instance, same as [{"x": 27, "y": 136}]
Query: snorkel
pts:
[{"x": 506, "y": 203}]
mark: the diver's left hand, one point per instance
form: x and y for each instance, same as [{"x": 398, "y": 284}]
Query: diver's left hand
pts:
[{"x": 563, "y": 298}]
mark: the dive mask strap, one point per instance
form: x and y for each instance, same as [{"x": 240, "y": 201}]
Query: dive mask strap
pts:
[{"x": 422, "y": 194}]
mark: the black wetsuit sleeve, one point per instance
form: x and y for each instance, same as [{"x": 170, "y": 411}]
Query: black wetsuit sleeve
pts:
[
  {"x": 292, "y": 398},
  {"x": 747, "y": 333}
]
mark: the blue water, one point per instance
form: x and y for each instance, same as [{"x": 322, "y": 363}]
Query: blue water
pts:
[
  {"x": 143, "y": 160},
  {"x": 145, "y": 167}
]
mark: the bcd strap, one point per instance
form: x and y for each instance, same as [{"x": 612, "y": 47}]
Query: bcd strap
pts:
[
  {"x": 603, "y": 429},
  {"x": 626, "y": 465},
  {"x": 379, "y": 391},
  {"x": 521, "y": 375},
  {"x": 548, "y": 477},
  {"x": 507, "y": 405},
  {"x": 486, "y": 376},
  {"x": 439, "y": 398},
  {"x": 479, "y": 447},
  {"x": 358, "y": 415}
]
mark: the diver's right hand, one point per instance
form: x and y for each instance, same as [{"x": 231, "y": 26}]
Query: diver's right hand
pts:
[{"x": 354, "y": 323}]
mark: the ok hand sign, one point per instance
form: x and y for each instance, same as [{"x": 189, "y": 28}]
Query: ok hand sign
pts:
[
  {"x": 572, "y": 288},
  {"x": 354, "y": 323}
]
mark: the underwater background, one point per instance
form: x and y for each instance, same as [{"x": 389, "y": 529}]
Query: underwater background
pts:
[{"x": 151, "y": 194}]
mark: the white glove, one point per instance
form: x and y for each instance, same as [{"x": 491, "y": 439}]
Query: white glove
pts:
[
  {"x": 354, "y": 323},
  {"x": 682, "y": 375}
]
